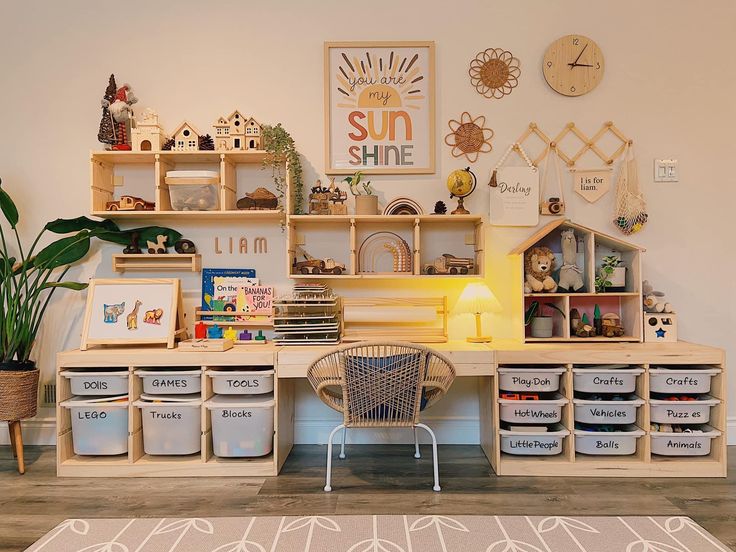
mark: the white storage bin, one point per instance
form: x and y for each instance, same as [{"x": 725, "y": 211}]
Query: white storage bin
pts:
[
  {"x": 607, "y": 412},
  {"x": 609, "y": 443},
  {"x": 605, "y": 379},
  {"x": 538, "y": 379},
  {"x": 99, "y": 428},
  {"x": 684, "y": 444},
  {"x": 170, "y": 382},
  {"x": 171, "y": 424},
  {"x": 194, "y": 190},
  {"x": 96, "y": 382},
  {"x": 241, "y": 382},
  {"x": 682, "y": 412},
  {"x": 687, "y": 379},
  {"x": 241, "y": 426},
  {"x": 533, "y": 443},
  {"x": 532, "y": 412}
]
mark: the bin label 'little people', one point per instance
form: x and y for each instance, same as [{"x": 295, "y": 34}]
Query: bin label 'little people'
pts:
[{"x": 527, "y": 443}]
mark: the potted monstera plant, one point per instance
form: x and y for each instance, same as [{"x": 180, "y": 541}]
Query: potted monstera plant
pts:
[{"x": 29, "y": 277}]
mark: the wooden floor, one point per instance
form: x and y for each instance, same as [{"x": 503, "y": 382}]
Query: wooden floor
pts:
[{"x": 373, "y": 480}]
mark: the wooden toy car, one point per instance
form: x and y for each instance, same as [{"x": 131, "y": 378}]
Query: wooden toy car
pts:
[
  {"x": 318, "y": 266},
  {"x": 130, "y": 203},
  {"x": 449, "y": 264}
]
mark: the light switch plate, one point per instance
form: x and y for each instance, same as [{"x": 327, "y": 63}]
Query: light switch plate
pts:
[{"x": 665, "y": 170}]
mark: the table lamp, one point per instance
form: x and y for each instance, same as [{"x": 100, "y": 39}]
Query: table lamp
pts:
[{"x": 476, "y": 299}]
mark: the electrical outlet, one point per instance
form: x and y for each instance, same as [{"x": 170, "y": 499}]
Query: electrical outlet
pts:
[{"x": 665, "y": 170}]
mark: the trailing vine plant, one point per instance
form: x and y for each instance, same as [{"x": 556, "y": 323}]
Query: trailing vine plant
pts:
[{"x": 279, "y": 146}]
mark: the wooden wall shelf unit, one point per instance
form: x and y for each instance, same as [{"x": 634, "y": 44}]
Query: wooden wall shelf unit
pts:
[
  {"x": 346, "y": 233},
  {"x": 102, "y": 176},
  {"x": 157, "y": 263},
  {"x": 592, "y": 247},
  {"x": 479, "y": 361}
]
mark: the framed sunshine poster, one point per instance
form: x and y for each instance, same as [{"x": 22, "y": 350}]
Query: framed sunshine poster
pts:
[{"x": 379, "y": 107}]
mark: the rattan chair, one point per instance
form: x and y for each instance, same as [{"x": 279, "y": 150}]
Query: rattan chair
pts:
[{"x": 381, "y": 385}]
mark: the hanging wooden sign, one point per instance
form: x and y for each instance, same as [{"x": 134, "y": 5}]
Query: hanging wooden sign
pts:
[
  {"x": 515, "y": 197},
  {"x": 591, "y": 184}
]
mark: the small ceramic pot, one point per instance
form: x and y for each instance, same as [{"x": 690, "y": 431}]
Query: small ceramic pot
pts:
[
  {"x": 366, "y": 205},
  {"x": 542, "y": 326}
]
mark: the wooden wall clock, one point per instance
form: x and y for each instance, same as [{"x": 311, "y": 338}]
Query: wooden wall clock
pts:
[{"x": 573, "y": 65}]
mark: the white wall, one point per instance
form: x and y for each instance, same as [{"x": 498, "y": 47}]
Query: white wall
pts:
[{"x": 669, "y": 84}]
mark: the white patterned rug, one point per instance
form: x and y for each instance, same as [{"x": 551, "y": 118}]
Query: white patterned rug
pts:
[{"x": 382, "y": 534}]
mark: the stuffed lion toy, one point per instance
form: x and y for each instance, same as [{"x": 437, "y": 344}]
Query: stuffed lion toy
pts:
[{"x": 539, "y": 262}]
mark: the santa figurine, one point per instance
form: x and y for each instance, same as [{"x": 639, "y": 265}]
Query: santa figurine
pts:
[{"x": 122, "y": 116}]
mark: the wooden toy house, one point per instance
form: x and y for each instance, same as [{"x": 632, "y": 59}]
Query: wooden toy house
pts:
[
  {"x": 148, "y": 135},
  {"x": 622, "y": 304},
  {"x": 237, "y": 132},
  {"x": 186, "y": 138}
]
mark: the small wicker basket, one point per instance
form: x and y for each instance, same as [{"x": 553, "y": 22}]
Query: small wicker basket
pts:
[{"x": 18, "y": 394}]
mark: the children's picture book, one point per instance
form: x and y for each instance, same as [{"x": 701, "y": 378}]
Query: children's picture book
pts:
[
  {"x": 220, "y": 288},
  {"x": 255, "y": 301}
]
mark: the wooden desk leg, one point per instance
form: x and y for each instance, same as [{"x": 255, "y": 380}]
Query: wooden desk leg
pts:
[{"x": 16, "y": 438}]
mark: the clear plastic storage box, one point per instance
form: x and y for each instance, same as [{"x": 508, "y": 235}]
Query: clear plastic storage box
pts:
[
  {"x": 194, "y": 190},
  {"x": 170, "y": 382},
  {"x": 241, "y": 426},
  {"x": 241, "y": 382},
  {"x": 687, "y": 379},
  {"x": 609, "y": 443},
  {"x": 533, "y": 443},
  {"x": 97, "y": 382},
  {"x": 99, "y": 427},
  {"x": 607, "y": 412},
  {"x": 532, "y": 379},
  {"x": 532, "y": 412},
  {"x": 171, "y": 424},
  {"x": 684, "y": 444},
  {"x": 606, "y": 379},
  {"x": 682, "y": 412}
]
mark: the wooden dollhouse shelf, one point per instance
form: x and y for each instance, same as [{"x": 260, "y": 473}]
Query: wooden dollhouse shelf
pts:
[
  {"x": 149, "y": 262},
  {"x": 149, "y": 157},
  {"x": 592, "y": 246},
  {"x": 340, "y": 237}
]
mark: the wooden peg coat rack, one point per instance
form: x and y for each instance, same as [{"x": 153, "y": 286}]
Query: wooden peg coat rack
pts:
[{"x": 588, "y": 143}]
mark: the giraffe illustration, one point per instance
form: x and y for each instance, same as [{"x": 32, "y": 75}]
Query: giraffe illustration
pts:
[{"x": 132, "y": 318}]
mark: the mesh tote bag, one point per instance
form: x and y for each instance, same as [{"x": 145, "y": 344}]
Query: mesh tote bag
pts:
[{"x": 631, "y": 208}]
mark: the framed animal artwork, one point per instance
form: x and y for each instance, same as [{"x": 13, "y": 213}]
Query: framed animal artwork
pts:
[
  {"x": 133, "y": 311},
  {"x": 379, "y": 107}
]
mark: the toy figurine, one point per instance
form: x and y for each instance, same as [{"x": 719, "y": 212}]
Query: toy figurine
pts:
[
  {"x": 230, "y": 334},
  {"x": 200, "y": 330},
  {"x": 153, "y": 316},
  {"x": 122, "y": 115},
  {"x": 260, "y": 336},
  {"x": 245, "y": 335},
  {"x": 214, "y": 332},
  {"x": 112, "y": 312},
  {"x": 337, "y": 200},
  {"x": 133, "y": 248},
  {"x": 571, "y": 275},
  {"x": 185, "y": 246},
  {"x": 157, "y": 247}
]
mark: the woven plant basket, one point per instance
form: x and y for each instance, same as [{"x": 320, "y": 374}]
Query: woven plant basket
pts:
[{"x": 18, "y": 394}]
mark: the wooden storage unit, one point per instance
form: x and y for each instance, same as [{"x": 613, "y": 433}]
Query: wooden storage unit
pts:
[
  {"x": 592, "y": 247},
  {"x": 347, "y": 232},
  {"x": 641, "y": 464},
  {"x": 102, "y": 175},
  {"x": 138, "y": 464}
]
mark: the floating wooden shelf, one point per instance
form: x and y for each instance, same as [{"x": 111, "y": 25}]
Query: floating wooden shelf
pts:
[
  {"x": 149, "y": 262},
  {"x": 386, "y": 218},
  {"x": 263, "y": 214}
]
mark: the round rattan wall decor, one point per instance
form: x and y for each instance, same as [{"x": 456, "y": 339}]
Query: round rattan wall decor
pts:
[
  {"x": 469, "y": 137},
  {"x": 494, "y": 72}
]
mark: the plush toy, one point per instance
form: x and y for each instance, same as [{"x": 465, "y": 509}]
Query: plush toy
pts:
[
  {"x": 654, "y": 301},
  {"x": 539, "y": 262},
  {"x": 571, "y": 275},
  {"x": 122, "y": 113}
]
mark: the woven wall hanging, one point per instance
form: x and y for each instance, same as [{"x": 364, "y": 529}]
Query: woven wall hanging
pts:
[
  {"x": 494, "y": 72},
  {"x": 469, "y": 137}
]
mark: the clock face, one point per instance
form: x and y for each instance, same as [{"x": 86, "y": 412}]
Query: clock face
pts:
[{"x": 573, "y": 65}]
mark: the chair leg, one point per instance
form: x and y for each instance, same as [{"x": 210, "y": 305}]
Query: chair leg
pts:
[
  {"x": 342, "y": 445},
  {"x": 417, "y": 454},
  {"x": 434, "y": 457},
  {"x": 18, "y": 441},
  {"x": 328, "y": 487}
]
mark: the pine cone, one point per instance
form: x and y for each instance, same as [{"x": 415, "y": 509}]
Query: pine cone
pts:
[
  {"x": 168, "y": 145},
  {"x": 206, "y": 143},
  {"x": 440, "y": 208}
]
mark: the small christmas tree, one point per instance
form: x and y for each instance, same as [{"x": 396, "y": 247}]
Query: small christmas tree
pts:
[
  {"x": 168, "y": 145},
  {"x": 106, "y": 131},
  {"x": 206, "y": 143}
]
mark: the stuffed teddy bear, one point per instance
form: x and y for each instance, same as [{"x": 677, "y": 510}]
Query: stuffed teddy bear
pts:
[
  {"x": 571, "y": 275},
  {"x": 654, "y": 301},
  {"x": 539, "y": 262}
]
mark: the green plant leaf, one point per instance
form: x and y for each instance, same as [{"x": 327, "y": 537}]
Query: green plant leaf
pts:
[
  {"x": 558, "y": 309},
  {"x": 530, "y": 312},
  {"x": 65, "y": 226},
  {"x": 8, "y": 207},
  {"x": 145, "y": 233},
  {"x": 76, "y": 286},
  {"x": 64, "y": 251}
]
